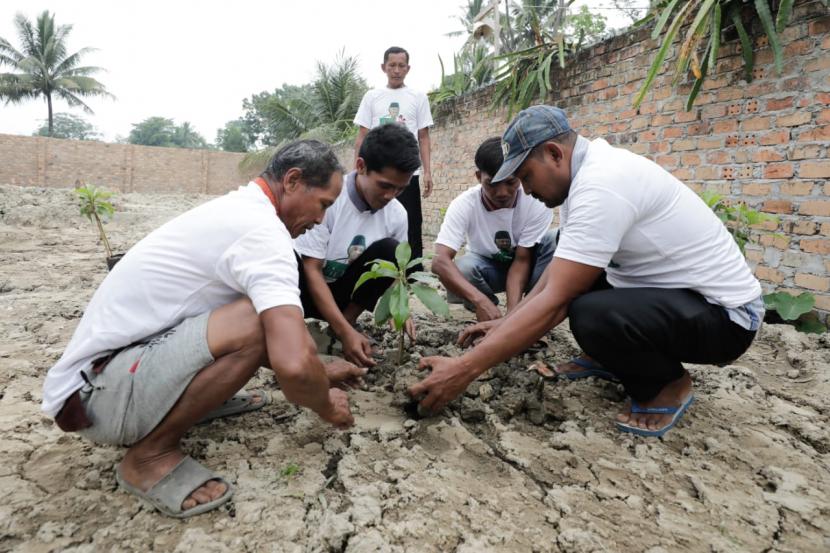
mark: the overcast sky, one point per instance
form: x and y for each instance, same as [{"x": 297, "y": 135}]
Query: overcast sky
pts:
[{"x": 196, "y": 60}]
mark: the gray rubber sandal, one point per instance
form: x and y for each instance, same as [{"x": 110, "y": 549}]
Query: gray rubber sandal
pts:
[
  {"x": 240, "y": 403},
  {"x": 167, "y": 494}
]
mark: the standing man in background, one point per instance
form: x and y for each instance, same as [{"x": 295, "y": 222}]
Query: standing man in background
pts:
[{"x": 396, "y": 103}]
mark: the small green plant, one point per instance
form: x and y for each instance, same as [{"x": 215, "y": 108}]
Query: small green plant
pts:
[
  {"x": 798, "y": 309},
  {"x": 795, "y": 309},
  {"x": 95, "y": 206},
  {"x": 394, "y": 304},
  {"x": 738, "y": 218},
  {"x": 290, "y": 470}
]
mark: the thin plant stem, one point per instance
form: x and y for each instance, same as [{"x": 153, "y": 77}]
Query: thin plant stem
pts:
[{"x": 103, "y": 235}]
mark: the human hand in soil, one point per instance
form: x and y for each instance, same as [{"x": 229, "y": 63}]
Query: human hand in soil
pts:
[
  {"x": 474, "y": 333},
  {"x": 486, "y": 310},
  {"x": 358, "y": 349},
  {"x": 447, "y": 381},
  {"x": 338, "y": 413},
  {"x": 345, "y": 375}
]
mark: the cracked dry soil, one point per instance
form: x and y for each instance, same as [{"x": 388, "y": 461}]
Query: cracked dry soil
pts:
[{"x": 517, "y": 464}]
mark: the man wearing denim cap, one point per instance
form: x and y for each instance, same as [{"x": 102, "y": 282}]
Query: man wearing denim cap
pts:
[{"x": 679, "y": 289}]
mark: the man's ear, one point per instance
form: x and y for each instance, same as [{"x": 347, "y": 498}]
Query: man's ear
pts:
[
  {"x": 478, "y": 176},
  {"x": 555, "y": 150},
  {"x": 360, "y": 165},
  {"x": 292, "y": 180}
]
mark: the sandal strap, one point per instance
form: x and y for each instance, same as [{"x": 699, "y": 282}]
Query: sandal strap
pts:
[
  {"x": 637, "y": 408},
  {"x": 177, "y": 485}
]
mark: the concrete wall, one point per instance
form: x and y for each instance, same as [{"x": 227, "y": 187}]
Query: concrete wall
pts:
[{"x": 52, "y": 162}]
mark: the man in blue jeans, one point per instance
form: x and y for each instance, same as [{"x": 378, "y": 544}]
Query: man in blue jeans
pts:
[{"x": 507, "y": 235}]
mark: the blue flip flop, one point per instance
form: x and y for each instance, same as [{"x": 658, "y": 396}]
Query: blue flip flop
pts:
[
  {"x": 591, "y": 369},
  {"x": 676, "y": 413}
]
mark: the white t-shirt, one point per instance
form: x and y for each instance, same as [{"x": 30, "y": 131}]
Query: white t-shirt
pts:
[
  {"x": 486, "y": 233},
  {"x": 227, "y": 248},
  {"x": 348, "y": 228},
  {"x": 403, "y": 106},
  {"x": 630, "y": 216}
]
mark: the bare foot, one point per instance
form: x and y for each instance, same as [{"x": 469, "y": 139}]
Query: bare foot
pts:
[
  {"x": 672, "y": 395},
  {"x": 143, "y": 470}
]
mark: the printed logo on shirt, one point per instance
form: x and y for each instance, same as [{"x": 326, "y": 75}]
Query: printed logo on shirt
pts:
[
  {"x": 505, "y": 245},
  {"x": 394, "y": 115},
  {"x": 333, "y": 269}
]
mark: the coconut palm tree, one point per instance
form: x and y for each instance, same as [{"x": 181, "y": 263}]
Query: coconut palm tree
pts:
[
  {"x": 42, "y": 66},
  {"x": 323, "y": 109}
]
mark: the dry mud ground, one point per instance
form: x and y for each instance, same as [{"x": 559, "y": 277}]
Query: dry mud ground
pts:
[{"x": 517, "y": 465}]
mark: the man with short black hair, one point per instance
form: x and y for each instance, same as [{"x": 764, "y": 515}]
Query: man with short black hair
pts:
[
  {"x": 187, "y": 317},
  {"x": 398, "y": 104},
  {"x": 365, "y": 223},
  {"x": 507, "y": 236},
  {"x": 680, "y": 289}
]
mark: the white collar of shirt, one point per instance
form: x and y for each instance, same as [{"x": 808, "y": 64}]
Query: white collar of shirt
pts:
[{"x": 578, "y": 156}]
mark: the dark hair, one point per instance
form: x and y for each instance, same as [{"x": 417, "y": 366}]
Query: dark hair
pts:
[
  {"x": 395, "y": 50},
  {"x": 489, "y": 156},
  {"x": 315, "y": 159},
  {"x": 390, "y": 145}
]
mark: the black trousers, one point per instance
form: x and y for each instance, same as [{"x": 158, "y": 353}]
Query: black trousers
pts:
[
  {"x": 411, "y": 200},
  {"x": 643, "y": 335},
  {"x": 369, "y": 292}
]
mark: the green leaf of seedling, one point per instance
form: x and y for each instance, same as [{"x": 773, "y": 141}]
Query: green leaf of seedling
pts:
[
  {"x": 368, "y": 275},
  {"x": 426, "y": 278},
  {"x": 403, "y": 253},
  {"x": 809, "y": 323},
  {"x": 399, "y": 304},
  {"x": 414, "y": 263},
  {"x": 431, "y": 300},
  {"x": 790, "y": 307},
  {"x": 384, "y": 264},
  {"x": 382, "y": 312}
]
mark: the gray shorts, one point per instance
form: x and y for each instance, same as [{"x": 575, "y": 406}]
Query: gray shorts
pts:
[{"x": 140, "y": 384}]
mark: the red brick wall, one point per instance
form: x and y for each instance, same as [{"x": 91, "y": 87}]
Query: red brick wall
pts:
[
  {"x": 52, "y": 162},
  {"x": 764, "y": 143}
]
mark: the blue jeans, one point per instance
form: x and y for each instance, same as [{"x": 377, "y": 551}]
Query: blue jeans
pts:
[{"x": 490, "y": 276}]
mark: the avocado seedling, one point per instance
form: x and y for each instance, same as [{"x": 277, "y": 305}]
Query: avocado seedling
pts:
[{"x": 394, "y": 304}]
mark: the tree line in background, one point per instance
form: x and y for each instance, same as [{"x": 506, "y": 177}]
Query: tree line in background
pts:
[{"x": 513, "y": 44}]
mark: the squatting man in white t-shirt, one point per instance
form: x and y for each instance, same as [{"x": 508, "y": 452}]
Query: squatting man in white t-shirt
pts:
[
  {"x": 680, "y": 290},
  {"x": 365, "y": 223},
  {"x": 187, "y": 317},
  {"x": 507, "y": 235}
]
